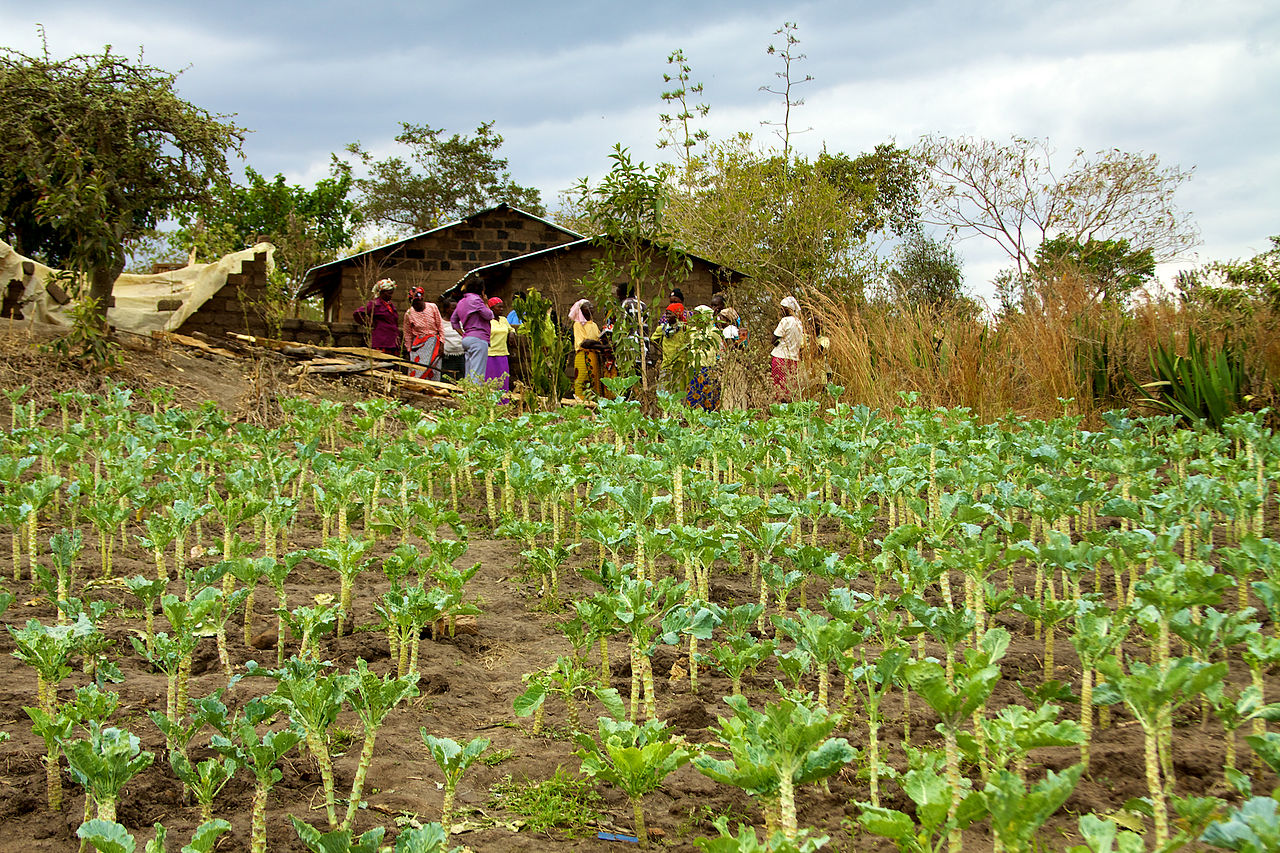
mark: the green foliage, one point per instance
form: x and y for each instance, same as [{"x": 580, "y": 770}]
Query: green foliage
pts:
[
  {"x": 561, "y": 802},
  {"x": 1112, "y": 270},
  {"x": 443, "y": 179},
  {"x": 1201, "y": 385},
  {"x": 101, "y": 149},
  {"x": 338, "y": 840},
  {"x": 307, "y": 226}
]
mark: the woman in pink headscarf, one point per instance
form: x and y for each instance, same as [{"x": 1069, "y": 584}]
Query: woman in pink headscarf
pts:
[{"x": 587, "y": 348}]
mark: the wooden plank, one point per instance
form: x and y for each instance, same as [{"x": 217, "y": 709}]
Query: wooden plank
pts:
[
  {"x": 345, "y": 367},
  {"x": 194, "y": 343}
]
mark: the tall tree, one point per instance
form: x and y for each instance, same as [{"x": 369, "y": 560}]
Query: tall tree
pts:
[
  {"x": 1013, "y": 194},
  {"x": 443, "y": 179},
  {"x": 96, "y": 149},
  {"x": 307, "y": 226}
]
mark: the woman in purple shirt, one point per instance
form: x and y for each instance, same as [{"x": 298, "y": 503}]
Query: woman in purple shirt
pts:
[
  {"x": 471, "y": 319},
  {"x": 380, "y": 317}
]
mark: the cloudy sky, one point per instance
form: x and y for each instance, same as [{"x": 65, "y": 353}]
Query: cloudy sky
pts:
[{"x": 1195, "y": 83}]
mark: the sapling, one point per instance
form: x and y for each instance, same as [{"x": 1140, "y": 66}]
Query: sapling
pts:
[
  {"x": 1096, "y": 636},
  {"x": 107, "y": 836},
  {"x": 739, "y": 652},
  {"x": 954, "y": 697},
  {"x": 34, "y": 495},
  {"x": 453, "y": 760},
  {"x": 696, "y": 620},
  {"x": 1017, "y": 812},
  {"x": 930, "y": 825},
  {"x": 148, "y": 592},
  {"x": 639, "y": 606},
  {"x": 872, "y": 682},
  {"x": 104, "y": 763},
  {"x": 545, "y": 562},
  {"x": 277, "y": 574},
  {"x": 372, "y": 697},
  {"x": 260, "y": 754},
  {"x": 634, "y": 758},
  {"x": 822, "y": 639},
  {"x": 1011, "y": 734},
  {"x": 308, "y": 622},
  {"x": 1151, "y": 693},
  {"x": 206, "y": 711},
  {"x": 205, "y": 779},
  {"x": 64, "y": 550},
  {"x": 48, "y": 650},
  {"x": 337, "y": 840},
  {"x": 188, "y": 620}
]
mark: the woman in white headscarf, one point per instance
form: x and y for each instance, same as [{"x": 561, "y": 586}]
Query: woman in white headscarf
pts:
[{"x": 788, "y": 339}]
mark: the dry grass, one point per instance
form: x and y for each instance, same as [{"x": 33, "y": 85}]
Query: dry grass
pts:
[{"x": 1063, "y": 347}]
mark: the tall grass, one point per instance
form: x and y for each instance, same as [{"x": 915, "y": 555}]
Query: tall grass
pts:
[{"x": 1063, "y": 344}]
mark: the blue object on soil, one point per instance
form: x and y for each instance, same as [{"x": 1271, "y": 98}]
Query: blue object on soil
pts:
[{"x": 614, "y": 836}]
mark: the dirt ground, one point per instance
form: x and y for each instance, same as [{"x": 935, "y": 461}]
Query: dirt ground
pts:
[{"x": 467, "y": 688}]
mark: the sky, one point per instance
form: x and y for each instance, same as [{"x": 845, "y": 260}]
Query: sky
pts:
[{"x": 1194, "y": 83}]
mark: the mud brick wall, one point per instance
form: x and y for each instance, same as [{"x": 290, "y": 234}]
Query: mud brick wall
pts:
[
  {"x": 436, "y": 261},
  {"x": 231, "y": 309},
  {"x": 556, "y": 276}
]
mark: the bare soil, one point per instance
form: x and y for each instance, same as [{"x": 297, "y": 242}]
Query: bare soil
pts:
[{"x": 468, "y": 684}]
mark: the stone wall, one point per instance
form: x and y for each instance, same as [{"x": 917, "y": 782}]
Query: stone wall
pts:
[{"x": 437, "y": 260}]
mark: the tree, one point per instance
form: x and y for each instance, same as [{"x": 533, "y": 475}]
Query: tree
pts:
[
  {"x": 96, "y": 150},
  {"x": 798, "y": 222},
  {"x": 442, "y": 179},
  {"x": 627, "y": 212},
  {"x": 926, "y": 274},
  {"x": 1112, "y": 270},
  {"x": 1012, "y": 194},
  {"x": 307, "y": 226}
]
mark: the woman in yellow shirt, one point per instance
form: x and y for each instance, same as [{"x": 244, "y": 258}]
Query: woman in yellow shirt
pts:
[
  {"x": 586, "y": 351},
  {"x": 498, "y": 366}
]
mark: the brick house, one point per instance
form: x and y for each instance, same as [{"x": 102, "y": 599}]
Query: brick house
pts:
[
  {"x": 433, "y": 260},
  {"x": 556, "y": 272}
]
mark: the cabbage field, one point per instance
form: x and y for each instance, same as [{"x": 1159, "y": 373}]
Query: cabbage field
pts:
[{"x": 373, "y": 628}]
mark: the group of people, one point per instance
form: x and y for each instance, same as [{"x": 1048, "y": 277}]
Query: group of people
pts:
[
  {"x": 686, "y": 346},
  {"x": 474, "y": 344}
]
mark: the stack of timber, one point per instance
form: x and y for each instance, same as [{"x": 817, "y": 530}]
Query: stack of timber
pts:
[{"x": 312, "y": 359}]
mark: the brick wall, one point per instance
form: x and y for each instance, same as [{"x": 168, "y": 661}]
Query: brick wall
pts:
[
  {"x": 231, "y": 309},
  {"x": 437, "y": 260}
]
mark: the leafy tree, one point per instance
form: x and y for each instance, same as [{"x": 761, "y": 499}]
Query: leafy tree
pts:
[
  {"x": 307, "y": 226},
  {"x": 1013, "y": 194},
  {"x": 442, "y": 179},
  {"x": 97, "y": 150},
  {"x": 926, "y": 274},
  {"x": 1112, "y": 269},
  {"x": 792, "y": 221}
]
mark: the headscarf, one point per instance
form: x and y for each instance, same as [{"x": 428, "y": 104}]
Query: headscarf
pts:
[
  {"x": 383, "y": 284},
  {"x": 677, "y": 308},
  {"x": 729, "y": 316},
  {"x": 704, "y": 309},
  {"x": 790, "y": 303},
  {"x": 575, "y": 313},
  {"x": 417, "y": 293},
  {"x": 494, "y": 301}
]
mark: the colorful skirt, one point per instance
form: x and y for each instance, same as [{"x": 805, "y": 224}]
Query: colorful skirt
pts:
[
  {"x": 426, "y": 350},
  {"x": 786, "y": 377},
  {"x": 586, "y": 364},
  {"x": 498, "y": 367},
  {"x": 704, "y": 389}
]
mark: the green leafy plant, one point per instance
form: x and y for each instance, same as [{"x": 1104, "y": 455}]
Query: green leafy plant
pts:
[{"x": 453, "y": 760}]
